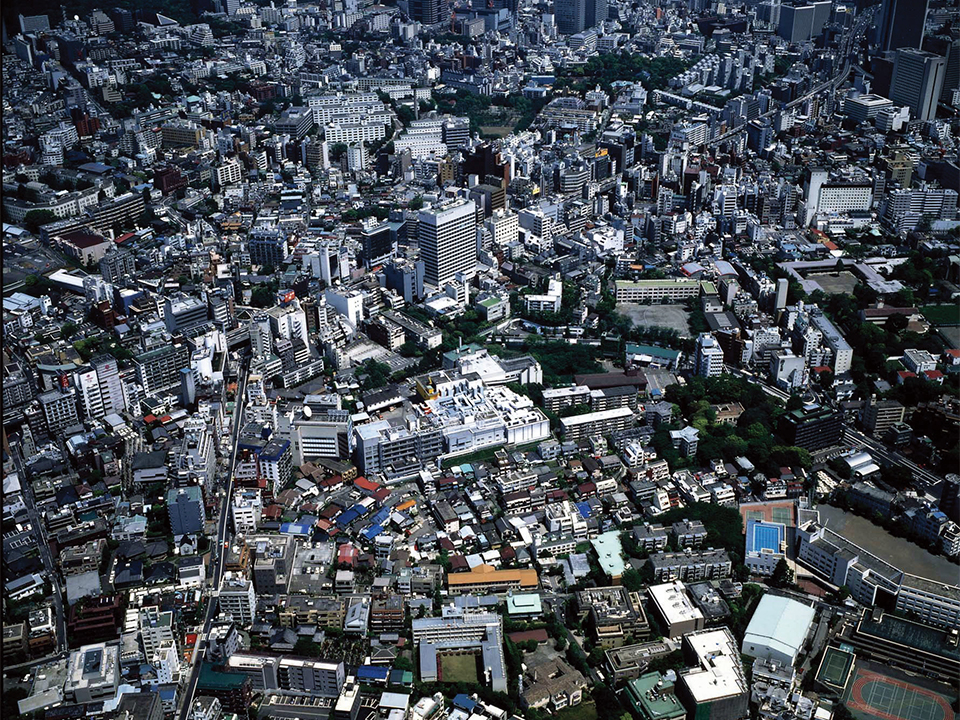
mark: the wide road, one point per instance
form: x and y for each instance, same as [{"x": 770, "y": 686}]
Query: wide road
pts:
[
  {"x": 49, "y": 566},
  {"x": 845, "y": 49},
  {"x": 222, "y": 538}
]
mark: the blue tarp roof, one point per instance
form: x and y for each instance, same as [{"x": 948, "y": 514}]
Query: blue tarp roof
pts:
[
  {"x": 372, "y": 672},
  {"x": 294, "y": 529},
  {"x": 584, "y": 508}
]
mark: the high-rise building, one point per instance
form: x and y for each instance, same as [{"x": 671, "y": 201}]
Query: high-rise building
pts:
[
  {"x": 448, "y": 241},
  {"x": 59, "y": 409},
  {"x": 917, "y": 81},
  {"x": 709, "y": 360},
  {"x": 117, "y": 265},
  {"x": 803, "y": 21},
  {"x": 901, "y": 24},
  {"x": 238, "y": 598},
  {"x": 185, "y": 507},
  {"x": 101, "y": 392},
  {"x": 267, "y": 246},
  {"x": 379, "y": 244},
  {"x": 571, "y": 16},
  {"x": 156, "y": 628},
  {"x": 949, "y": 48},
  {"x": 159, "y": 369},
  {"x": 34, "y": 23},
  {"x": 596, "y": 12},
  {"x": 429, "y": 12},
  {"x": 812, "y": 428}
]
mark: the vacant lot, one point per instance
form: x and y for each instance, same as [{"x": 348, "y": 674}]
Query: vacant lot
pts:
[
  {"x": 458, "y": 668},
  {"x": 500, "y": 131},
  {"x": 837, "y": 283},
  {"x": 666, "y": 316}
]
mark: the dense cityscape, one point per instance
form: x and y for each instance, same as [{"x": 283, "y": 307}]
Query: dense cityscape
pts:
[{"x": 503, "y": 360}]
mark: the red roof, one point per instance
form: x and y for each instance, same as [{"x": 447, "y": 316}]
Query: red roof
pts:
[
  {"x": 933, "y": 374},
  {"x": 331, "y": 511},
  {"x": 149, "y": 418},
  {"x": 364, "y": 484},
  {"x": 273, "y": 511},
  {"x": 381, "y": 494},
  {"x": 347, "y": 554},
  {"x": 539, "y": 635},
  {"x": 952, "y": 352}
]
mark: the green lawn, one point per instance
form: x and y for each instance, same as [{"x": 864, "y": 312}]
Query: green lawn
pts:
[
  {"x": 942, "y": 314},
  {"x": 459, "y": 668},
  {"x": 583, "y": 711}
]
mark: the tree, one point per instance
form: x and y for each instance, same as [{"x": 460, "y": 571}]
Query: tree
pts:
[
  {"x": 261, "y": 297},
  {"x": 632, "y": 580},
  {"x": 305, "y": 647},
  {"x": 34, "y": 219},
  {"x": 896, "y": 324},
  {"x": 782, "y": 575},
  {"x": 68, "y": 330}
]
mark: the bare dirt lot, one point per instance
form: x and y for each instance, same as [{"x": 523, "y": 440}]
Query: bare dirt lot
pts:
[{"x": 668, "y": 316}]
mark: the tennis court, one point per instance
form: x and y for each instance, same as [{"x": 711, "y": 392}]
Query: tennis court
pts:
[
  {"x": 777, "y": 511},
  {"x": 835, "y": 668},
  {"x": 873, "y": 695},
  {"x": 782, "y": 515}
]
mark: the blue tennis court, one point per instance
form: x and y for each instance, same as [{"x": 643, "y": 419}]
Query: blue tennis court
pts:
[{"x": 764, "y": 536}]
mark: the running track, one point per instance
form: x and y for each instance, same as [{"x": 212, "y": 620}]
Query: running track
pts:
[{"x": 863, "y": 678}]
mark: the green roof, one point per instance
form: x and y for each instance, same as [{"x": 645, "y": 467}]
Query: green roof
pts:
[
  {"x": 609, "y": 553},
  {"x": 665, "y": 353},
  {"x": 490, "y": 301},
  {"x": 653, "y": 697},
  {"x": 211, "y": 679}
]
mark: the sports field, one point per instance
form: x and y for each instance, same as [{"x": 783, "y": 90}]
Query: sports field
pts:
[
  {"x": 874, "y": 695},
  {"x": 777, "y": 511},
  {"x": 835, "y": 668},
  {"x": 458, "y": 668}
]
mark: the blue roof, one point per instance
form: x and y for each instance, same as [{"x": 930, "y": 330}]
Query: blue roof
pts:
[
  {"x": 360, "y": 509},
  {"x": 380, "y": 517},
  {"x": 347, "y": 517},
  {"x": 373, "y": 672},
  {"x": 371, "y": 532},
  {"x": 585, "y": 510},
  {"x": 294, "y": 529},
  {"x": 464, "y": 702}
]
